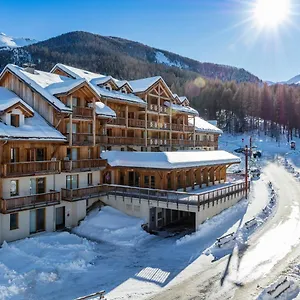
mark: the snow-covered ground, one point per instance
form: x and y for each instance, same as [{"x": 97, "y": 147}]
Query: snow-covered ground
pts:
[{"x": 110, "y": 251}]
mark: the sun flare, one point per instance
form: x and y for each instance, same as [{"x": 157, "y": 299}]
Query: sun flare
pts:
[{"x": 271, "y": 13}]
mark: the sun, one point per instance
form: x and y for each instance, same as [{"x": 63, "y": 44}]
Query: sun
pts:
[{"x": 271, "y": 13}]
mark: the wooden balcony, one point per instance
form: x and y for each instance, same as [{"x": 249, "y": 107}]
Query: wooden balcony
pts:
[
  {"x": 136, "y": 123},
  {"x": 158, "y": 125},
  {"x": 81, "y": 139},
  {"x": 177, "y": 127},
  {"x": 111, "y": 140},
  {"x": 28, "y": 202},
  {"x": 157, "y": 108},
  {"x": 83, "y": 165},
  {"x": 182, "y": 143},
  {"x": 188, "y": 128},
  {"x": 117, "y": 121},
  {"x": 158, "y": 142},
  {"x": 83, "y": 112},
  {"x": 19, "y": 169},
  {"x": 82, "y": 193}
]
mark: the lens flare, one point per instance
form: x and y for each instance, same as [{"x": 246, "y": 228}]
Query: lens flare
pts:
[{"x": 271, "y": 13}]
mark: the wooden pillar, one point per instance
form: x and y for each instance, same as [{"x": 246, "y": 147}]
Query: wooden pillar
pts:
[
  {"x": 173, "y": 180},
  {"x": 205, "y": 176},
  {"x": 71, "y": 123},
  {"x": 146, "y": 122},
  {"x": 126, "y": 116},
  {"x": 183, "y": 177},
  {"x": 142, "y": 179},
  {"x": 192, "y": 180},
  {"x": 94, "y": 122},
  {"x": 198, "y": 177},
  {"x": 157, "y": 181},
  {"x": 218, "y": 173},
  {"x": 212, "y": 175},
  {"x": 126, "y": 177},
  {"x": 163, "y": 185},
  {"x": 117, "y": 176}
]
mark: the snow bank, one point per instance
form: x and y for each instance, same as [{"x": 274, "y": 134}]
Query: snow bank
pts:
[
  {"x": 42, "y": 264},
  {"x": 112, "y": 226}
]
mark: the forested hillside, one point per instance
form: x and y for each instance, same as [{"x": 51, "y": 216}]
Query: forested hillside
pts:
[{"x": 236, "y": 98}]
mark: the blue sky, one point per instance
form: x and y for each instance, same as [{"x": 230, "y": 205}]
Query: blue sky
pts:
[{"x": 219, "y": 31}]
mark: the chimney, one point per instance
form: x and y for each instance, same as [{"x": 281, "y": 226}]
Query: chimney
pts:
[{"x": 29, "y": 67}]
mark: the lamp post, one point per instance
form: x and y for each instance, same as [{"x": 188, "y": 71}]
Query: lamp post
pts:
[{"x": 246, "y": 171}]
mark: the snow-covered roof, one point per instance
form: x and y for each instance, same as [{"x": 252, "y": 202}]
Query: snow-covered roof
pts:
[
  {"x": 39, "y": 81},
  {"x": 104, "y": 110},
  {"x": 168, "y": 160},
  {"x": 78, "y": 73},
  {"x": 95, "y": 79},
  {"x": 64, "y": 86},
  {"x": 141, "y": 85},
  {"x": 118, "y": 95},
  {"x": 34, "y": 128},
  {"x": 121, "y": 83},
  {"x": 185, "y": 109},
  {"x": 204, "y": 126},
  {"x": 182, "y": 98},
  {"x": 9, "y": 99}
]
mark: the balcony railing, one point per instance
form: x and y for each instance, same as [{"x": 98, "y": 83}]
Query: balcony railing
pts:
[
  {"x": 30, "y": 168},
  {"x": 179, "y": 142},
  {"x": 158, "y": 125},
  {"x": 158, "y": 142},
  {"x": 82, "y": 193},
  {"x": 136, "y": 123},
  {"x": 37, "y": 200},
  {"x": 111, "y": 140},
  {"x": 177, "y": 127},
  {"x": 83, "y": 164},
  {"x": 188, "y": 128},
  {"x": 158, "y": 108},
  {"x": 82, "y": 112},
  {"x": 117, "y": 121},
  {"x": 81, "y": 139}
]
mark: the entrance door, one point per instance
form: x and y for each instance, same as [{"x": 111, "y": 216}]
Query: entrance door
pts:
[
  {"x": 60, "y": 218},
  {"x": 37, "y": 220}
]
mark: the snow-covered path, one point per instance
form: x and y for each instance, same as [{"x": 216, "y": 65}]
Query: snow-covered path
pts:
[{"x": 268, "y": 252}]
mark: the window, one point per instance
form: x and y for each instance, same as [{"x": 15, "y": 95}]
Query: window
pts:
[
  {"x": 123, "y": 90},
  {"x": 14, "y": 188},
  {"x": 41, "y": 185},
  {"x": 40, "y": 154},
  {"x": 14, "y": 155},
  {"x": 15, "y": 120},
  {"x": 14, "y": 221},
  {"x": 37, "y": 220},
  {"x": 90, "y": 128},
  {"x": 131, "y": 115},
  {"x": 72, "y": 181},
  {"x": 74, "y": 101},
  {"x": 90, "y": 153},
  {"x": 90, "y": 178}
]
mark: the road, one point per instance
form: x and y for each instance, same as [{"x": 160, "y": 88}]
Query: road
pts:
[{"x": 270, "y": 252}]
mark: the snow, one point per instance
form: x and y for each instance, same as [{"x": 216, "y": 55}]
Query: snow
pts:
[
  {"x": 104, "y": 110},
  {"x": 38, "y": 81},
  {"x": 94, "y": 79},
  {"x": 181, "y": 108},
  {"x": 168, "y": 160},
  {"x": 34, "y": 128},
  {"x": 10, "y": 42},
  {"x": 204, "y": 126},
  {"x": 8, "y": 99},
  {"x": 141, "y": 85},
  {"x": 64, "y": 86},
  {"x": 161, "y": 58},
  {"x": 112, "y": 226}
]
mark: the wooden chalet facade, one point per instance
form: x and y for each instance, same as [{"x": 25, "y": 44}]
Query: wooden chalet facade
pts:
[{"x": 54, "y": 127}]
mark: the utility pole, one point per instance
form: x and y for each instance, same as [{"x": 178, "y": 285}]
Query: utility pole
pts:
[
  {"x": 246, "y": 171},
  {"x": 250, "y": 146}
]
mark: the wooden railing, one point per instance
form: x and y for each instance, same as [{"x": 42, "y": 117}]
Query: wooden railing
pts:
[
  {"x": 81, "y": 139},
  {"x": 178, "y": 142},
  {"x": 117, "y": 121},
  {"x": 83, "y": 164},
  {"x": 82, "y": 112},
  {"x": 111, "y": 140},
  {"x": 82, "y": 193},
  {"x": 189, "y": 128},
  {"x": 177, "y": 127},
  {"x": 37, "y": 200},
  {"x": 158, "y": 142},
  {"x": 158, "y": 108},
  {"x": 136, "y": 123},
  {"x": 190, "y": 199},
  {"x": 31, "y": 168},
  {"x": 158, "y": 125}
]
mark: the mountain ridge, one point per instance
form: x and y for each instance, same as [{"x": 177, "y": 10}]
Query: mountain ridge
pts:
[{"x": 8, "y": 42}]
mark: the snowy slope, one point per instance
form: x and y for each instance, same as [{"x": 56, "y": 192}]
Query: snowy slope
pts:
[
  {"x": 7, "y": 42},
  {"x": 161, "y": 58}
]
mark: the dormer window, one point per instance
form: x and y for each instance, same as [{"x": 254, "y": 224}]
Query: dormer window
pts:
[
  {"x": 108, "y": 87},
  {"x": 15, "y": 120},
  {"x": 123, "y": 90}
]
